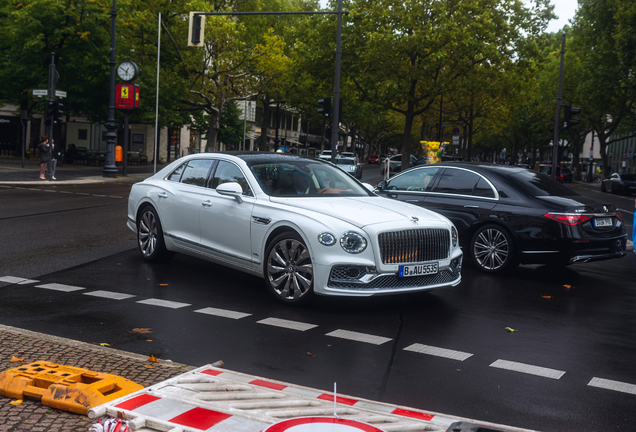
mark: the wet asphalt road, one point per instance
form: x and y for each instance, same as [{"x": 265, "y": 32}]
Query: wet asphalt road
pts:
[{"x": 577, "y": 324}]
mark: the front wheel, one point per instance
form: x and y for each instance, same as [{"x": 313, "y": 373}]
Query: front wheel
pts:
[
  {"x": 492, "y": 249},
  {"x": 288, "y": 269},
  {"x": 150, "y": 237}
]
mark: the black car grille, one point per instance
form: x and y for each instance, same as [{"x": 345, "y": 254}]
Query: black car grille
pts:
[
  {"x": 412, "y": 246},
  {"x": 339, "y": 278}
]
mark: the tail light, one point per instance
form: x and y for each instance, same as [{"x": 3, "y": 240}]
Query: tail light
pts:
[
  {"x": 620, "y": 216},
  {"x": 567, "y": 218}
]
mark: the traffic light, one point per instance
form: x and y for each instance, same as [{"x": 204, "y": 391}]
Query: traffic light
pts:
[
  {"x": 195, "y": 29},
  {"x": 569, "y": 121},
  {"x": 325, "y": 106},
  {"x": 58, "y": 114}
]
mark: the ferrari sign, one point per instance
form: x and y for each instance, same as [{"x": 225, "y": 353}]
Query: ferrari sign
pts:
[{"x": 127, "y": 96}]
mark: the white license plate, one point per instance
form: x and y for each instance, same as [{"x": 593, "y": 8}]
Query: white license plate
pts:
[
  {"x": 603, "y": 222},
  {"x": 419, "y": 270}
]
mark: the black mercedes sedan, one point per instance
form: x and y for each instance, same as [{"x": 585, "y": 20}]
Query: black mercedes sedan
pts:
[
  {"x": 508, "y": 215},
  {"x": 617, "y": 183}
]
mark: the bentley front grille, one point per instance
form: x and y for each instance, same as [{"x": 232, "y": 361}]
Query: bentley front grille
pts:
[{"x": 412, "y": 246}]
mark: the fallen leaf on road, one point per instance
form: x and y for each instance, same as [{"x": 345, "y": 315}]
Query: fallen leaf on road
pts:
[
  {"x": 20, "y": 352},
  {"x": 567, "y": 286},
  {"x": 149, "y": 367},
  {"x": 310, "y": 354},
  {"x": 153, "y": 359},
  {"x": 141, "y": 330},
  {"x": 510, "y": 330},
  {"x": 546, "y": 296},
  {"x": 163, "y": 284},
  {"x": 15, "y": 359},
  {"x": 104, "y": 343},
  {"x": 148, "y": 340},
  {"x": 16, "y": 402}
]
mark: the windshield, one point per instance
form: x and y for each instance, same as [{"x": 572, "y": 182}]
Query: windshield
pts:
[
  {"x": 537, "y": 184},
  {"x": 345, "y": 161},
  {"x": 305, "y": 178}
]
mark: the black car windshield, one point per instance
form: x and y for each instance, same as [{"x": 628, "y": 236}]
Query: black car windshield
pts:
[
  {"x": 537, "y": 184},
  {"x": 306, "y": 178},
  {"x": 628, "y": 177}
]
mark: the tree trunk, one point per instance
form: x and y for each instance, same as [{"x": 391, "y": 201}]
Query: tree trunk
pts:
[{"x": 406, "y": 137}]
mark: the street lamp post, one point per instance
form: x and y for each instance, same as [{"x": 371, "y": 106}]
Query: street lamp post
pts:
[{"x": 110, "y": 170}]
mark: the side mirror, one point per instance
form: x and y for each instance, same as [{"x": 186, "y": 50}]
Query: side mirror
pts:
[
  {"x": 232, "y": 189},
  {"x": 381, "y": 185}
]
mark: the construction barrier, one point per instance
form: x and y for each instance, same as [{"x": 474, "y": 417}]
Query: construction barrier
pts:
[
  {"x": 217, "y": 400},
  {"x": 64, "y": 387}
]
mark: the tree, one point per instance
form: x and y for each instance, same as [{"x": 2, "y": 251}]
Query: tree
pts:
[{"x": 231, "y": 126}]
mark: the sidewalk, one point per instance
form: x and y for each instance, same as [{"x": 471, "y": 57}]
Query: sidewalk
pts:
[
  {"x": 31, "y": 415},
  {"x": 11, "y": 172}
]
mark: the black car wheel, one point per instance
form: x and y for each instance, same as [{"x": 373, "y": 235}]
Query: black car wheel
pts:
[
  {"x": 150, "y": 237},
  {"x": 288, "y": 269},
  {"x": 603, "y": 187},
  {"x": 492, "y": 249}
]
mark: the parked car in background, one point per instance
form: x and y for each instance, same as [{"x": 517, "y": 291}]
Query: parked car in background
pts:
[
  {"x": 395, "y": 163},
  {"x": 547, "y": 170},
  {"x": 326, "y": 155},
  {"x": 374, "y": 159},
  {"x": 350, "y": 166},
  {"x": 349, "y": 155},
  {"x": 567, "y": 174},
  {"x": 522, "y": 165},
  {"x": 507, "y": 215},
  {"x": 619, "y": 183},
  {"x": 301, "y": 224}
]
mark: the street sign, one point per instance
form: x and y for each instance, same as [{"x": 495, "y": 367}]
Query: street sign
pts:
[
  {"x": 321, "y": 424},
  {"x": 40, "y": 92},
  {"x": 456, "y": 131},
  {"x": 60, "y": 93},
  {"x": 455, "y": 139}
]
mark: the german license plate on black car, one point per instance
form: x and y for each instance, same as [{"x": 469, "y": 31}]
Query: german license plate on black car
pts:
[
  {"x": 419, "y": 270},
  {"x": 602, "y": 222}
]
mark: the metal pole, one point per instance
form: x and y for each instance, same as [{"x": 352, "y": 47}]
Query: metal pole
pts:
[
  {"x": 124, "y": 162},
  {"x": 336, "y": 89},
  {"x": 557, "y": 120},
  {"x": 157, "y": 98},
  {"x": 51, "y": 98},
  {"x": 110, "y": 170},
  {"x": 277, "y": 124},
  {"x": 439, "y": 129},
  {"x": 244, "y": 122}
]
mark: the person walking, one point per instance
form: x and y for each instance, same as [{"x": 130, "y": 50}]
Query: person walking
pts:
[
  {"x": 50, "y": 166},
  {"x": 45, "y": 155}
]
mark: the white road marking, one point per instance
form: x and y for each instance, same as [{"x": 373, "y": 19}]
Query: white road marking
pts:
[
  {"x": 223, "y": 313},
  {"x": 163, "y": 303},
  {"x": 48, "y": 190},
  {"x": 17, "y": 280},
  {"x": 111, "y": 196},
  {"x": 439, "y": 352},
  {"x": 60, "y": 287},
  {"x": 613, "y": 385},
  {"x": 110, "y": 295},
  {"x": 6, "y": 187},
  {"x": 66, "y": 192},
  {"x": 293, "y": 325},
  {"x": 528, "y": 369},
  {"x": 21, "y": 188},
  {"x": 81, "y": 193},
  {"x": 35, "y": 189},
  {"x": 360, "y": 337},
  {"x": 102, "y": 196}
]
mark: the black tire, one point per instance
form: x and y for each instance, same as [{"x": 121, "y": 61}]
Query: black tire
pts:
[
  {"x": 152, "y": 246},
  {"x": 492, "y": 249},
  {"x": 603, "y": 187},
  {"x": 612, "y": 188},
  {"x": 288, "y": 269}
]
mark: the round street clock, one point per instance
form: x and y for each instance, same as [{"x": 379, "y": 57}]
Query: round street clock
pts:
[{"x": 127, "y": 71}]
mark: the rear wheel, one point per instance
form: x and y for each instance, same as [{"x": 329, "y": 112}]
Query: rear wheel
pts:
[
  {"x": 492, "y": 249},
  {"x": 150, "y": 237},
  {"x": 288, "y": 269}
]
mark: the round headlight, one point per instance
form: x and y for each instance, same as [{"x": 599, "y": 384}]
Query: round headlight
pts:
[
  {"x": 353, "y": 242},
  {"x": 327, "y": 239},
  {"x": 455, "y": 236}
]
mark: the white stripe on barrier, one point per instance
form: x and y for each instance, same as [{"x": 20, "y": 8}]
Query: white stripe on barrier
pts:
[
  {"x": 293, "y": 325},
  {"x": 110, "y": 295},
  {"x": 613, "y": 385},
  {"x": 439, "y": 352},
  {"x": 360, "y": 337},
  {"x": 163, "y": 303},
  {"x": 223, "y": 313},
  {"x": 60, "y": 287},
  {"x": 528, "y": 369}
]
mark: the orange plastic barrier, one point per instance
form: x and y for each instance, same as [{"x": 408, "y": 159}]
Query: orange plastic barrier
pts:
[{"x": 64, "y": 387}]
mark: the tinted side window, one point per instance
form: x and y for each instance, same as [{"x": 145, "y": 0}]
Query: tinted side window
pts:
[
  {"x": 417, "y": 180},
  {"x": 196, "y": 172},
  {"x": 176, "y": 174},
  {"x": 483, "y": 189},
  {"x": 228, "y": 172},
  {"x": 457, "y": 181}
]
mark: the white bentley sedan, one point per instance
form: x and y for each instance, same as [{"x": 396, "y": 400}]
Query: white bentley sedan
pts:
[{"x": 302, "y": 224}]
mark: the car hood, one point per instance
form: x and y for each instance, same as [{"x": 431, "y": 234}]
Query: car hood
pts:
[
  {"x": 580, "y": 203},
  {"x": 362, "y": 211}
]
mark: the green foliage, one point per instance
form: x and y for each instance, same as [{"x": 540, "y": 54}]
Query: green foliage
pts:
[{"x": 231, "y": 125}]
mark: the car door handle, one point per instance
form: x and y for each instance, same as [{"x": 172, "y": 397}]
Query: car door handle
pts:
[
  {"x": 162, "y": 195},
  {"x": 471, "y": 206},
  {"x": 207, "y": 203}
]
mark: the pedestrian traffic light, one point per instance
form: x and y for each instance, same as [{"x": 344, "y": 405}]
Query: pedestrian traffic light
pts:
[
  {"x": 325, "y": 106},
  {"x": 195, "y": 30},
  {"x": 568, "y": 120},
  {"x": 58, "y": 113}
]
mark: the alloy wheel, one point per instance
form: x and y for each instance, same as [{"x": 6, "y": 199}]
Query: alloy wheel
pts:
[
  {"x": 147, "y": 233},
  {"x": 491, "y": 249},
  {"x": 289, "y": 270}
]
